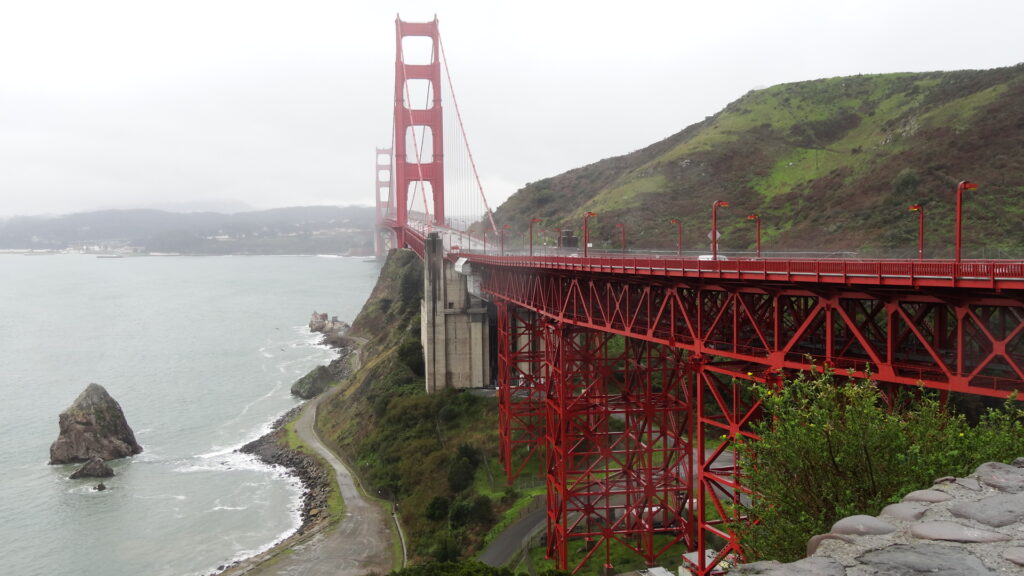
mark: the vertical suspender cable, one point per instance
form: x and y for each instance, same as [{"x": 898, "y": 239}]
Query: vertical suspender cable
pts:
[{"x": 462, "y": 130}]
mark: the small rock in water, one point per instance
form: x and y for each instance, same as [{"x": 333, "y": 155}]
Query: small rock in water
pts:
[
  {"x": 94, "y": 468},
  {"x": 101, "y": 487}
]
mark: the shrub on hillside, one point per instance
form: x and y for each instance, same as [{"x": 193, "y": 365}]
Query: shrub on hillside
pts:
[{"x": 830, "y": 450}]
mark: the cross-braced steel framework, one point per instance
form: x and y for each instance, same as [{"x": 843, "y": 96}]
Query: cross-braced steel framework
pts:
[
  {"x": 618, "y": 466},
  {"x": 644, "y": 385}
]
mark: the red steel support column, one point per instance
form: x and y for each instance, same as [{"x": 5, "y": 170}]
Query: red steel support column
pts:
[
  {"x": 618, "y": 436},
  {"x": 521, "y": 384},
  {"x": 723, "y": 416}
]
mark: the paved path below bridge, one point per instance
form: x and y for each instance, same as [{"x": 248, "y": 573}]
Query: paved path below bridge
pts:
[
  {"x": 512, "y": 540},
  {"x": 359, "y": 544}
]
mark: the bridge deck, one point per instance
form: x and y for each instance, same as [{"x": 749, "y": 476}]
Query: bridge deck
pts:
[{"x": 998, "y": 275}]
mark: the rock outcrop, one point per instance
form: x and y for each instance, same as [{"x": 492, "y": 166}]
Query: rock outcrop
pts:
[
  {"x": 95, "y": 467},
  {"x": 333, "y": 329},
  {"x": 970, "y": 526},
  {"x": 312, "y": 384},
  {"x": 94, "y": 425}
]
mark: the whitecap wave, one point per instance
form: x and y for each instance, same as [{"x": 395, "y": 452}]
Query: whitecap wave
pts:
[
  {"x": 163, "y": 497},
  {"x": 221, "y": 461},
  {"x": 228, "y": 508}
]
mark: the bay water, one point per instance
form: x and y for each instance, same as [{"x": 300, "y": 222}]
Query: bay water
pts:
[{"x": 200, "y": 352}]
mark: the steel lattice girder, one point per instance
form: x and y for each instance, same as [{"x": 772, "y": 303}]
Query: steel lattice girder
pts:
[
  {"x": 521, "y": 381},
  {"x": 961, "y": 340},
  {"x": 618, "y": 444}
]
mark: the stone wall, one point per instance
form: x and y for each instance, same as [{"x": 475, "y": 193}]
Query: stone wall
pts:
[{"x": 971, "y": 526}]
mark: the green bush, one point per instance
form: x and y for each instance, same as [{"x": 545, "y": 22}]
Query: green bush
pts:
[
  {"x": 460, "y": 475},
  {"x": 830, "y": 450}
]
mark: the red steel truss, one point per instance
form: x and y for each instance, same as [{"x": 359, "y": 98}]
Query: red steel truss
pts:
[
  {"x": 617, "y": 436},
  {"x": 968, "y": 340},
  {"x": 521, "y": 393},
  {"x": 623, "y": 423}
]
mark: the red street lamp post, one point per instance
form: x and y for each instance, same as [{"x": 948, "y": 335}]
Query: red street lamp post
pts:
[
  {"x": 586, "y": 231},
  {"x": 920, "y": 229},
  {"x": 757, "y": 222},
  {"x": 532, "y": 222},
  {"x": 714, "y": 227},
  {"x": 679, "y": 235},
  {"x": 964, "y": 185},
  {"x": 622, "y": 233}
]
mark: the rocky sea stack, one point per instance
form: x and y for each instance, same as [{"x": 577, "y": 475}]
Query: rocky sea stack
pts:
[{"x": 94, "y": 426}]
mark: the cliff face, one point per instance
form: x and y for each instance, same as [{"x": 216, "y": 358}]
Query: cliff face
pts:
[
  {"x": 94, "y": 426},
  {"x": 404, "y": 443}
]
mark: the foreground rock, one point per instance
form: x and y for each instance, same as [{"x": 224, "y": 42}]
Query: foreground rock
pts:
[
  {"x": 94, "y": 468},
  {"x": 94, "y": 425},
  {"x": 970, "y": 526}
]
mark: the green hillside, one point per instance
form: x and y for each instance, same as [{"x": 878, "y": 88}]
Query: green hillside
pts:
[
  {"x": 436, "y": 455},
  {"x": 828, "y": 164}
]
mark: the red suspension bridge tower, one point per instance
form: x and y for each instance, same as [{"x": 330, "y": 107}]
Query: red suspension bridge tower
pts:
[{"x": 418, "y": 145}]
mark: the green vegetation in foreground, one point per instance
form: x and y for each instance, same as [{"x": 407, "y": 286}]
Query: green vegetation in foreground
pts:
[{"x": 831, "y": 450}]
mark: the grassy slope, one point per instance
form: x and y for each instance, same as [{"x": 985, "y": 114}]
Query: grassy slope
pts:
[
  {"x": 828, "y": 164},
  {"x": 402, "y": 441}
]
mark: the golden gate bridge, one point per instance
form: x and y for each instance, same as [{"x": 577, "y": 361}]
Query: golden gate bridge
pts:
[{"x": 626, "y": 375}]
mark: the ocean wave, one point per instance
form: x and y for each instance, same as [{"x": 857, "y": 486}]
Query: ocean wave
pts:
[
  {"x": 295, "y": 506},
  {"x": 163, "y": 497},
  {"x": 229, "y": 508},
  {"x": 221, "y": 460}
]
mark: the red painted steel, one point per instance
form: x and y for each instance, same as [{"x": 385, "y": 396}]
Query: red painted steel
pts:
[
  {"x": 521, "y": 382},
  {"x": 631, "y": 373},
  {"x": 618, "y": 419},
  {"x": 410, "y": 172},
  {"x": 963, "y": 340},
  {"x": 727, "y": 334},
  {"x": 994, "y": 275},
  {"x": 720, "y": 325}
]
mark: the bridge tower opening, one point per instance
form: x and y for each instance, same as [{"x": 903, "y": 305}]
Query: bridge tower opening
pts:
[
  {"x": 384, "y": 236},
  {"x": 418, "y": 129}
]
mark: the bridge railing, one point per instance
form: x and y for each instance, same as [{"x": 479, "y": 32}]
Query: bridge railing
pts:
[{"x": 999, "y": 274}]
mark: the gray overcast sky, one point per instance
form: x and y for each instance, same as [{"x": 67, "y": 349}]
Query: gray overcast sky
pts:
[{"x": 205, "y": 103}]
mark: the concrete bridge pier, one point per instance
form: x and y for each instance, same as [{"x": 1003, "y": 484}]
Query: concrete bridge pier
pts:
[{"x": 454, "y": 325}]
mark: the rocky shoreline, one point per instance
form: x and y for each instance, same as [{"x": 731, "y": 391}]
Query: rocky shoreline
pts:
[{"x": 272, "y": 449}]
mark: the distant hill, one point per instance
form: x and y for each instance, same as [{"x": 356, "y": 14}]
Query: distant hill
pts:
[
  {"x": 827, "y": 164},
  {"x": 299, "y": 230}
]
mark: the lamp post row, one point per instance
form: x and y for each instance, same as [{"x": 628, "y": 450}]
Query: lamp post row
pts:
[{"x": 961, "y": 187}]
